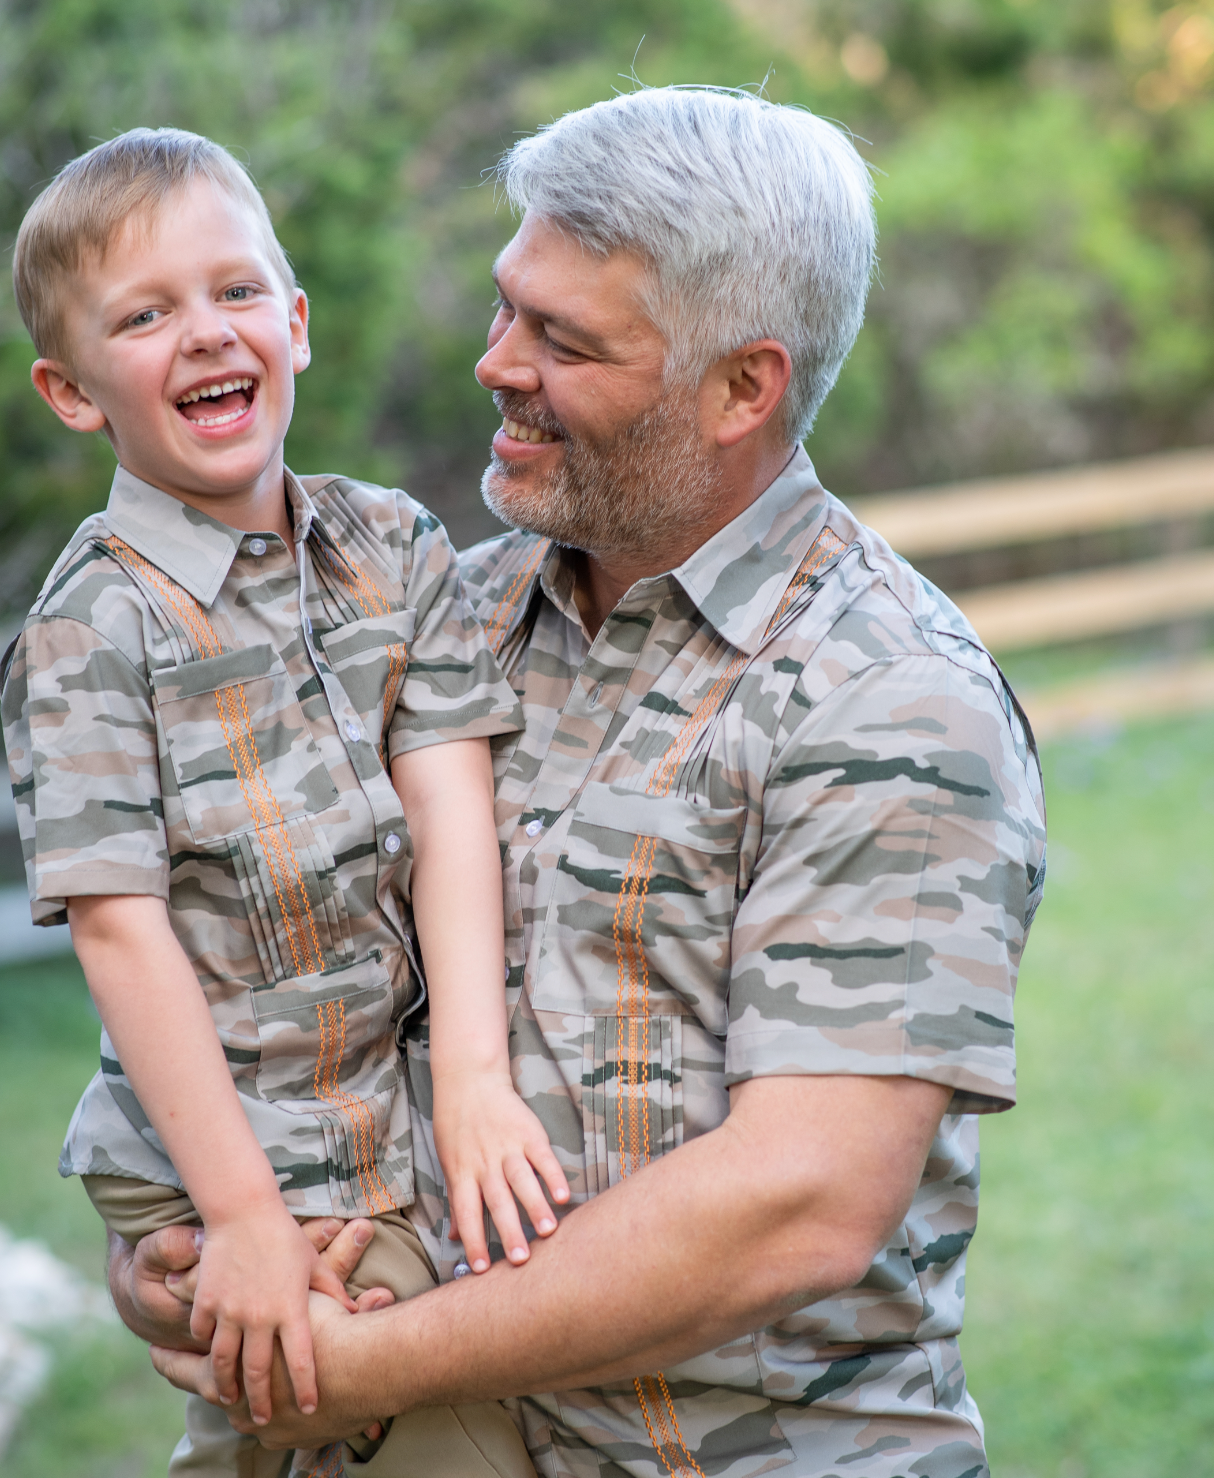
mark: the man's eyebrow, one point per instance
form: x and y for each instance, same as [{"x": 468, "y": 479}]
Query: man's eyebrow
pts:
[{"x": 564, "y": 325}]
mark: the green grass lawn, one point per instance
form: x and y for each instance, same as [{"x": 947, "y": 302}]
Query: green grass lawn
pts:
[{"x": 1090, "y": 1331}]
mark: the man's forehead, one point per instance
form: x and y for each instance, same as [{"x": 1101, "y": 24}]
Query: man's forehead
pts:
[{"x": 554, "y": 276}]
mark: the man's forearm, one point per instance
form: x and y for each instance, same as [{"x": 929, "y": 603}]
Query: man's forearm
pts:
[{"x": 728, "y": 1233}]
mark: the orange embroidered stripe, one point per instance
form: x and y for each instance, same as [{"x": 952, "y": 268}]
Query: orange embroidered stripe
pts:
[
  {"x": 375, "y": 1192},
  {"x": 190, "y": 615},
  {"x": 495, "y": 631},
  {"x": 330, "y": 1462},
  {"x": 398, "y": 660},
  {"x": 365, "y": 592},
  {"x": 632, "y": 991}
]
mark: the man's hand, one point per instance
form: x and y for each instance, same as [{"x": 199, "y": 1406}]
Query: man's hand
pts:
[
  {"x": 786, "y": 1203},
  {"x": 153, "y": 1284}
]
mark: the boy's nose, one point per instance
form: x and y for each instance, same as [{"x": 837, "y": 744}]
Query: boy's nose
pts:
[{"x": 206, "y": 330}]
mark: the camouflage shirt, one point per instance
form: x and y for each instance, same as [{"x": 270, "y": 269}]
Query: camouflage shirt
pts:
[
  {"x": 204, "y": 715},
  {"x": 780, "y": 816}
]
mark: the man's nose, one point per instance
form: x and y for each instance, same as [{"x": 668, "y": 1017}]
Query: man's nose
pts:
[{"x": 506, "y": 365}]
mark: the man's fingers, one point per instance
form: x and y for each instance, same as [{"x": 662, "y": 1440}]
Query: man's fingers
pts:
[
  {"x": 185, "y": 1371},
  {"x": 171, "y": 1249},
  {"x": 297, "y": 1352},
  {"x": 372, "y": 1299},
  {"x": 344, "y": 1252},
  {"x": 469, "y": 1218},
  {"x": 321, "y": 1230},
  {"x": 183, "y": 1286}
]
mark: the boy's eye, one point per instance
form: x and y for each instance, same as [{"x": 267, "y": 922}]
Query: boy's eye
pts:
[
  {"x": 140, "y": 320},
  {"x": 237, "y": 294}
]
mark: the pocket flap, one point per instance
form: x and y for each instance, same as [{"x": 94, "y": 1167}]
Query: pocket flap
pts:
[
  {"x": 672, "y": 819},
  {"x": 210, "y": 674},
  {"x": 373, "y": 634}
]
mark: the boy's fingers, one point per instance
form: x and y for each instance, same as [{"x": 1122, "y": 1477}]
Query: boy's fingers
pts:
[
  {"x": 467, "y": 1215},
  {"x": 500, "y": 1200},
  {"x": 225, "y": 1352},
  {"x": 527, "y": 1189},
  {"x": 325, "y": 1280},
  {"x": 547, "y": 1164},
  {"x": 256, "y": 1364},
  {"x": 297, "y": 1352}
]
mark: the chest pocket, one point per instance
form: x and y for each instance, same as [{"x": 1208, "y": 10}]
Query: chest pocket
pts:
[
  {"x": 652, "y": 879},
  {"x": 241, "y": 751},
  {"x": 369, "y": 659}
]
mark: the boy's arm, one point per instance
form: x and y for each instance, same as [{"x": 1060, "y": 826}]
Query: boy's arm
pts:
[
  {"x": 489, "y": 1142},
  {"x": 260, "y": 1263}
]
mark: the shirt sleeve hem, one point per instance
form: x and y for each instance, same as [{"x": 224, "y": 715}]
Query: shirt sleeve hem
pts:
[
  {"x": 497, "y": 721},
  {"x": 788, "y": 1052}
]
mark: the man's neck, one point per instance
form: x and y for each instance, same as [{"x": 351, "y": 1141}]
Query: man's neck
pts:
[{"x": 603, "y": 578}]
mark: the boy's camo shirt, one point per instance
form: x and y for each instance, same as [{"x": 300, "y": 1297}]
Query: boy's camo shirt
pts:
[
  {"x": 767, "y": 822},
  {"x": 204, "y": 715}
]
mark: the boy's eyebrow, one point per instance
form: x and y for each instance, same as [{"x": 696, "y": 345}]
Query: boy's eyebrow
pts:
[{"x": 565, "y": 325}]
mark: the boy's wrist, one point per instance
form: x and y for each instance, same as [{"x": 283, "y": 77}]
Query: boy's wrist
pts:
[{"x": 240, "y": 1198}]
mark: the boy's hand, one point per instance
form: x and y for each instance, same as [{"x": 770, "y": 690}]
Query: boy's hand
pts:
[
  {"x": 253, "y": 1281},
  {"x": 491, "y": 1145}
]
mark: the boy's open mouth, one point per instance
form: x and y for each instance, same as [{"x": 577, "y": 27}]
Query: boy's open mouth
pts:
[{"x": 219, "y": 402}]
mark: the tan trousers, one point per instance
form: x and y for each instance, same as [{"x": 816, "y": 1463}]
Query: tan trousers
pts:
[{"x": 469, "y": 1441}]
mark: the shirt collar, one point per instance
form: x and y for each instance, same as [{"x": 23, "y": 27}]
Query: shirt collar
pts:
[
  {"x": 190, "y": 546},
  {"x": 737, "y": 577}
]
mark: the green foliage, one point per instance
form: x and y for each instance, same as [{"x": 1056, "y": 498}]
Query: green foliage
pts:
[
  {"x": 1047, "y": 212},
  {"x": 1088, "y": 1342}
]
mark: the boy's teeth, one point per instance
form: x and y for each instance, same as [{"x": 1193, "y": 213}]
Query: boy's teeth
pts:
[{"x": 211, "y": 392}]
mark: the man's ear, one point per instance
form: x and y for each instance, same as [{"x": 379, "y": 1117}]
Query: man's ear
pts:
[
  {"x": 746, "y": 387},
  {"x": 301, "y": 350},
  {"x": 53, "y": 381}
]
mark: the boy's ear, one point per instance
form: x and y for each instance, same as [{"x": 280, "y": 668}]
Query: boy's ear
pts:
[
  {"x": 301, "y": 350},
  {"x": 53, "y": 381}
]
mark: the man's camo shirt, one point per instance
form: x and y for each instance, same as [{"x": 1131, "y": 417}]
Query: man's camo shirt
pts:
[
  {"x": 204, "y": 715},
  {"x": 782, "y": 815}
]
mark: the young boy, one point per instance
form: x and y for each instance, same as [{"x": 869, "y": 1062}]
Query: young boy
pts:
[{"x": 247, "y": 725}]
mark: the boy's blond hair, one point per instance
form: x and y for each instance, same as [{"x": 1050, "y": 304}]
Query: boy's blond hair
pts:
[{"x": 91, "y": 199}]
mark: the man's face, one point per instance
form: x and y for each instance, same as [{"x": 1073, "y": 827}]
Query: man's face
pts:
[
  {"x": 186, "y": 340},
  {"x": 594, "y": 450}
]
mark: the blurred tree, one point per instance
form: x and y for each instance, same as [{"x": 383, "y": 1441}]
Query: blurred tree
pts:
[{"x": 1047, "y": 212}]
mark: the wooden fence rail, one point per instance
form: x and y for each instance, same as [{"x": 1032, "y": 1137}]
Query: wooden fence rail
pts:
[{"x": 1053, "y": 610}]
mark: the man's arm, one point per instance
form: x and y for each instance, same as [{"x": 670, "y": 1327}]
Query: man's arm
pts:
[{"x": 785, "y": 1204}]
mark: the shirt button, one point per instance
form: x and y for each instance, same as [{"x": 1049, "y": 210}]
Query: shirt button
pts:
[
  {"x": 534, "y": 827},
  {"x": 257, "y": 547},
  {"x": 353, "y": 732},
  {"x": 391, "y": 844},
  {"x": 461, "y": 1270}
]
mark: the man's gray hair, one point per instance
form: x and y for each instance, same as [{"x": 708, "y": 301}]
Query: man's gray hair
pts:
[{"x": 756, "y": 221}]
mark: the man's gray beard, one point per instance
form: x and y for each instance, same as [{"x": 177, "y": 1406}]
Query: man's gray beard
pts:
[{"x": 640, "y": 492}]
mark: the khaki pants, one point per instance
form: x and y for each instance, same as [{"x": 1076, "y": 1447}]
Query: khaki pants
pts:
[{"x": 470, "y": 1441}]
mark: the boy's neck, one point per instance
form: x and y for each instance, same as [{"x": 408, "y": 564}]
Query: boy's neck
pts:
[{"x": 260, "y": 509}]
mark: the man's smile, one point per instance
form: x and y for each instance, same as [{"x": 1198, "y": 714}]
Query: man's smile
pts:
[
  {"x": 519, "y": 431},
  {"x": 217, "y": 402}
]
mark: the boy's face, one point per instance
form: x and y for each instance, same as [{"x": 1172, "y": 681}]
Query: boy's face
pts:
[{"x": 185, "y": 345}]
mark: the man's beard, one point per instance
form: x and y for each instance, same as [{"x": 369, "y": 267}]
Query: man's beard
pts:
[{"x": 640, "y": 492}]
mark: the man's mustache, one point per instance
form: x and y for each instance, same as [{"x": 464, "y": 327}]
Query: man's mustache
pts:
[{"x": 515, "y": 406}]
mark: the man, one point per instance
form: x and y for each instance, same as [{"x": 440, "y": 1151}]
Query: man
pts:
[{"x": 773, "y": 838}]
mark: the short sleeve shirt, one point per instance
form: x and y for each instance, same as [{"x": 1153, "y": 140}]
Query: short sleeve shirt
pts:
[
  {"x": 206, "y": 715},
  {"x": 780, "y": 816}
]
